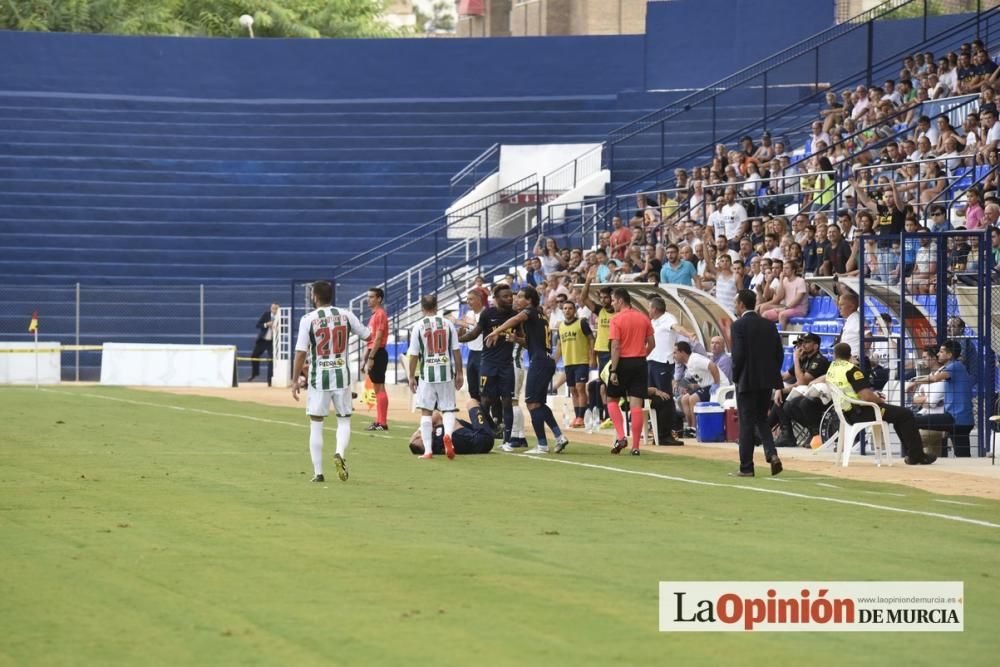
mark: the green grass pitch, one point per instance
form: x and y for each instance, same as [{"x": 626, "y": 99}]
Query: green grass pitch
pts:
[{"x": 133, "y": 532}]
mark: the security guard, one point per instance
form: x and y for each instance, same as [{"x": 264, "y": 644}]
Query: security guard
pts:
[
  {"x": 855, "y": 384},
  {"x": 809, "y": 364}
]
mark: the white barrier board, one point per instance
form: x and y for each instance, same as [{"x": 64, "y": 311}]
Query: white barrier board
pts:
[
  {"x": 17, "y": 363},
  {"x": 147, "y": 365}
]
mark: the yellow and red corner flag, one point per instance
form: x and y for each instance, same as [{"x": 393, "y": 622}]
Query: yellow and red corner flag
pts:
[{"x": 33, "y": 325}]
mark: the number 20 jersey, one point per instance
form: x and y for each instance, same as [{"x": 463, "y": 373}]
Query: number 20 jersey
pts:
[{"x": 323, "y": 335}]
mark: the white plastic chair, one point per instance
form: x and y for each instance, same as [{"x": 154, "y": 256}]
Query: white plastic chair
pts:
[
  {"x": 849, "y": 432},
  {"x": 725, "y": 393}
]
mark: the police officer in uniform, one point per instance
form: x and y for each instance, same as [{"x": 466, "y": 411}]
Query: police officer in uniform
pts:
[{"x": 856, "y": 384}]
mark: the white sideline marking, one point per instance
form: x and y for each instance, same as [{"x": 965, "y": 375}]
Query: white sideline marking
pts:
[
  {"x": 829, "y": 486},
  {"x": 956, "y": 502},
  {"x": 742, "y": 487},
  {"x": 671, "y": 478},
  {"x": 886, "y": 493},
  {"x": 208, "y": 412}
]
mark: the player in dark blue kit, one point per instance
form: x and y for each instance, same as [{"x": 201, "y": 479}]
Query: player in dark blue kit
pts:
[
  {"x": 496, "y": 365},
  {"x": 471, "y": 437},
  {"x": 541, "y": 367}
]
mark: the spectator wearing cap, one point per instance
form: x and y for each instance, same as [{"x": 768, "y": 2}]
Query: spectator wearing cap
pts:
[{"x": 957, "y": 419}]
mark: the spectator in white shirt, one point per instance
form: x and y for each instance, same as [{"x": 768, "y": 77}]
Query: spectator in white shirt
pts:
[
  {"x": 734, "y": 216},
  {"x": 851, "y": 333}
]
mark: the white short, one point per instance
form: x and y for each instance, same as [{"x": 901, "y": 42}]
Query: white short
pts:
[
  {"x": 519, "y": 374},
  {"x": 436, "y": 396},
  {"x": 318, "y": 402}
]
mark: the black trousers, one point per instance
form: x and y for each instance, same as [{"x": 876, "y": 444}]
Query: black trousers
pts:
[
  {"x": 661, "y": 375},
  {"x": 903, "y": 421},
  {"x": 945, "y": 422},
  {"x": 666, "y": 415},
  {"x": 259, "y": 349},
  {"x": 752, "y": 407},
  {"x": 806, "y": 411}
]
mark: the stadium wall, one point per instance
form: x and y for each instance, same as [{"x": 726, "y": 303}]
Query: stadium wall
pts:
[
  {"x": 692, "y": 43},
  {"x": 320, "y": 69}
]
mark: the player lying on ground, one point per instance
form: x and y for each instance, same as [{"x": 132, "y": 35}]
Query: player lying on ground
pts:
[{"x": 472, "y": 437}]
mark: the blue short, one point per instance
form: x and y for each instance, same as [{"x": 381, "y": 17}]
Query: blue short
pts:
[
  {"x": 496, "y": 382},
  {"x": 577, "y": 374},
  {"x": 536, "y": 384},
  {"x": 603, "y": 359}
]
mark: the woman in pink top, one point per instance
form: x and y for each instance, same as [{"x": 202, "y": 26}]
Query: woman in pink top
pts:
[
  {"x": 791, "y": 299},
  {"x": 973, "y": 210}
]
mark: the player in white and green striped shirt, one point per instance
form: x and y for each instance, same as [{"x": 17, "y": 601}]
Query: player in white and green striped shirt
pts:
[
  {"x": 323, "y": 336},
  {"x": 435, "y": 372}
]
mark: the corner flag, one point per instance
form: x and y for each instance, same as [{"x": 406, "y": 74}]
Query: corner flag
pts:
[{"x": 33, "y": 325}]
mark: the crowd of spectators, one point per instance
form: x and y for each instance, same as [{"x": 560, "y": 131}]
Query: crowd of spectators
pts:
[{"x": 765, "y": 215}]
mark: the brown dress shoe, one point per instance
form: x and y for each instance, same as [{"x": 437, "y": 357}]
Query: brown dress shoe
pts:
[{"x": 740, "y": 473}]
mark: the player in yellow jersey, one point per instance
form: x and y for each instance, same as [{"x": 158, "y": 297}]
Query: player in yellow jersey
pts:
[
  {"x": 575, "y": 346},
  {"x": 601, "y": 355}
]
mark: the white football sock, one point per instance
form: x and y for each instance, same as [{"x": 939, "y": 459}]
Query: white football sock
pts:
[
  {"x": 316, "y": 445},
  {"x": 517, "y": 431},
  {"x": 343, "y": 435},
  {"x": 449, "y": 422},
  {"x": 426, "y": 433}
]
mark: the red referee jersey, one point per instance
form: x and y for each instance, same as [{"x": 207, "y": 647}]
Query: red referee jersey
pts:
[
  {"x": 631, "y": 329},
  {"x": 379, "y": 322}
]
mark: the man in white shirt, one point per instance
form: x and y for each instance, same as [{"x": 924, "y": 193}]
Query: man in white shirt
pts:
[
  {"x": 818, "y": 135},
  {"x": 929, "y": 398},
  {"x": 851, "y": 333},
  {"x": 734, "y": 217},
  {"x": 660, "y": 361},
  {"x": 772, "y": 250},
  {"x": 990, "y": 128},
  {"x": 699, "y": 375}
]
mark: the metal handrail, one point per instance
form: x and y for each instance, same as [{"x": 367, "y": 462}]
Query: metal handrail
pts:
[
  {"x": 887, "y": 62},
  {"x": 756, "y": 69},
  {"x": 574, "y": 163},
  {"x": 377, "y": 252},
  {"x": 476, "y": 161}
]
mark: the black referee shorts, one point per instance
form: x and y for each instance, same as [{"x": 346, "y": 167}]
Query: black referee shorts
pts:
[
  {"x": 633, "y": 379},
  {"x": 377, "y": 373}
]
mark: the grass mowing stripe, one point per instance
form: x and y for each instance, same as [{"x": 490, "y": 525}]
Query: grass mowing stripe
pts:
[
  {"x": 792, "y": 494},
  {"x": 181, "y": 408},
  {"x": 888, "y": 508}
]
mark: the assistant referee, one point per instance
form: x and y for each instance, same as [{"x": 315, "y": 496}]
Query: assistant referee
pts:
[{"x": 632, "y": 340}]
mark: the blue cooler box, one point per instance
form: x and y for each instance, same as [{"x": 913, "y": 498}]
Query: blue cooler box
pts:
[{"x": 710, "y": 422}]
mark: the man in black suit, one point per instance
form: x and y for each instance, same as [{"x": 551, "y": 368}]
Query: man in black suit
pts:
[
  {"x": 265, "y": 343},
  {"x": 757, "y": 357}
]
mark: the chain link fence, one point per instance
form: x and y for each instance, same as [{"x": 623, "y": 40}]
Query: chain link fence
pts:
[{"x": 86, "y": 316}]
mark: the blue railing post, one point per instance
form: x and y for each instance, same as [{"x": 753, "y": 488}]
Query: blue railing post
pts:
[
  {"x": 816, "y": 63},
  {"x": 871, "y": 53},
  {"x": 663, "y": 144},
  {"x": 713, "y": 121},
  {"x": 925, "y": 20},
  {"x": 764, "y": 123}
]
